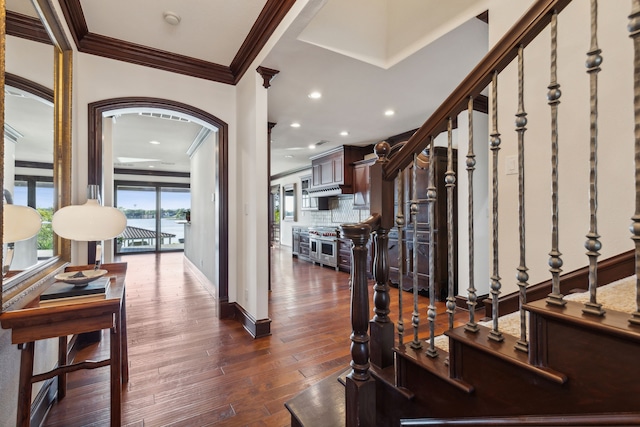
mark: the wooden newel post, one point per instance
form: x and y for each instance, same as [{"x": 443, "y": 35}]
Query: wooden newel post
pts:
[
  {"x": 360, "y": 387},
  {"x": 382, "y": 212}
]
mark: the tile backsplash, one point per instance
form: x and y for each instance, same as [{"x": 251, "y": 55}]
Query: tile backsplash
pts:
[{"x": 341, "y": 212}]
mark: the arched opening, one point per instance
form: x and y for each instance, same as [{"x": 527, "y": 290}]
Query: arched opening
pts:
[{"x": 97, "y": 112}]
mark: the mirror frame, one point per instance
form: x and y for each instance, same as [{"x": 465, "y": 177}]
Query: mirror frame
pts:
[{"x": 20, "y": 289}]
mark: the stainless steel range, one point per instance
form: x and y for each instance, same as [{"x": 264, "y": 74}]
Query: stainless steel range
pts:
[{"x": 323, "y": 246}]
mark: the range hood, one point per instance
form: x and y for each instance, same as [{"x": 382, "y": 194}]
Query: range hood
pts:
[{"x": 334, "y": 190}]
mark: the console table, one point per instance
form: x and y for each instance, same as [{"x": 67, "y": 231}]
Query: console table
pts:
[{"x": 34, "y": 323}]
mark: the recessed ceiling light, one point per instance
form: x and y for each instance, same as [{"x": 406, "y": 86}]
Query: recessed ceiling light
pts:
[
  {"x": 389, "y": 113},
  {"x": 151, "y": 166},
  {"x": 315, "y": 95},
  {"x": 295, "y": 125},
  {"x": 344, "y": 133},
  {"x": 154, "y": 142},
  {"x": 312, "y": 146},
  {"x": 288, "y": 156}
]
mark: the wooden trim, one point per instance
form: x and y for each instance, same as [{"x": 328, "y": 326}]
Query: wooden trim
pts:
[
  {"x": 609, "y": 270},
  {"x": 26, "y": 27},
  {"x": 270, "y": 17},
  {"x": 484, "y": 16},
  {"x": 145, "y": 172},
  {"x": 95, "y": 44},
  {"x": 504, "y": 51},
  {"x": 27, "y": 85},
  {"x": 267, "y": 74},
  {"x": 96, "y": 110},
  {"x": 118, "y": 182},
  {"x": 257, "y": 328},
  {"x": 33, "y": 165},
  {"x": 121, "y": 50},
  {"x": 530, "y": 420}
]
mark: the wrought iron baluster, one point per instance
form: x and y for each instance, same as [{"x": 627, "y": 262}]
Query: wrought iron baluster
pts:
[
  {"x": 495, "y": 333},
  {"x": 400, "y": 222},
  {"x": 450, "y": 183},
  {"x": 522, "y": 275},
  {"x": 415, "y": 320},
  {"x": 634, "y": 29},
  {"x": 431, "y": 200},
  {"x": 593, "y": 245},
  {"x": 553, "y": 98},
  {"x": 472, "y": 298}
]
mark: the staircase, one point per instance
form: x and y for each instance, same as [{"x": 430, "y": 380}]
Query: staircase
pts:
[{"x": 572, "y": 363}]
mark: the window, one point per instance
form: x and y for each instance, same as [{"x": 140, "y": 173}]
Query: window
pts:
[{"x": 289, "y": 202}]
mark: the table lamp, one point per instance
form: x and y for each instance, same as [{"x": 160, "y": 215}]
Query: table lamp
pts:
[
  {"x": 89, "y": 222},
  {"x": 20, "y": 223}
]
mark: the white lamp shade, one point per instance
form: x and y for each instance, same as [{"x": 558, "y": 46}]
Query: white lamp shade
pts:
[
  {"x": 88, "y": 222},
  {"x": 20, "y": 223}
]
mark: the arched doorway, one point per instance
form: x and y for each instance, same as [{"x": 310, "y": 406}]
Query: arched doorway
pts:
[{"x": 98, "y": 110}]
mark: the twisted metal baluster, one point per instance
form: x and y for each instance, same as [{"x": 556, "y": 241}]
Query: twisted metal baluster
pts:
[
  {"x": 522, "y": 275},
  {"x": 471, "y": 325},
  {"x": 416, "y": 343},
  {"x": 553, "y": 98},
  {"x": 431, "y": 200},
  {"x": 450, "y": 183},
  {"x": 495, "y": 334},
  {"x": 400, "y": 225},
  {"x": 634, "y": 29},
  {"x": 593, "y": 245}
]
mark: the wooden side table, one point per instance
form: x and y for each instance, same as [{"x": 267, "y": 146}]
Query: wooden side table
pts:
[{"x": 35, "y": 323}]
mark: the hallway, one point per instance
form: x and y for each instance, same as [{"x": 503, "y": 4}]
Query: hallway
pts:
[{"x": 188, "y": 368}]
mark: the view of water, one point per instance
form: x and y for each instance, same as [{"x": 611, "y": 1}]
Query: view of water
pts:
[{"x": 168, "y": 225}]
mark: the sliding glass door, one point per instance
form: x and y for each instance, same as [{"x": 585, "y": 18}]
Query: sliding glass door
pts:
[{"x": 155, "y": 216}]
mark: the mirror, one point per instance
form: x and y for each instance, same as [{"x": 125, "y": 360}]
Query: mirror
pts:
[
  {"x": 37, "y": 78},
  {"x": 289, "y": 202}
]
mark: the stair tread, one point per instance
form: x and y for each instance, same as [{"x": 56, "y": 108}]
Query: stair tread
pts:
[{"x": 322, "y": 404}]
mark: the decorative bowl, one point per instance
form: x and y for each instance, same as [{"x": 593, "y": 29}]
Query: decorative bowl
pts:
[{"x": 80, "y": 278}]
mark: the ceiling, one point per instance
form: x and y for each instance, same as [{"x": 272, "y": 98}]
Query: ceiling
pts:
[{"x": 363, "y": 56}]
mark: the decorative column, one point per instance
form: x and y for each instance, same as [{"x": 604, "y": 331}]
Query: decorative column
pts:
[{"x": 360, "y": 387}]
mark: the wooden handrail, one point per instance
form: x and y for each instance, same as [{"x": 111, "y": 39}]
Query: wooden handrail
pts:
[
  {"x": 535, "y": 420},
  {"x": 521, "y": 34}
]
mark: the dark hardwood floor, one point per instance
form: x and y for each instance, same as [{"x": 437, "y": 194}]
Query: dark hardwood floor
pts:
[{"x": 188, "y": 368}]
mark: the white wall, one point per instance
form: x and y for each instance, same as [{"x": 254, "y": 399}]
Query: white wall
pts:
[
  {"x": 615, "y": 132},
  {"x": 252, "y": 198},
  {"x": 202, "y": 245},
  {"x": 480, "y": 204}
]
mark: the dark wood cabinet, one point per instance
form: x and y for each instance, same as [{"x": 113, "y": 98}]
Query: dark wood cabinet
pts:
[
  {"x": 421, "y": 221},
  {"x": 361, "y": 184},
  {"x": 334, "y": 168},
  {"x": 344, "y": 256}
]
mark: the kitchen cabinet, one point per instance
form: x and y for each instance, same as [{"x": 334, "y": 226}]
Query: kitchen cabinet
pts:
[
  {"x": 303, "y": 249},
  {"x": 295, "y": 243},
  {"x": 361, "y": 183},
  {"x": 300, "y": 243},
  {"x": 344, "y": 256},
  {"x": 334, "y": 168},
  {"x": 422, "y": 225},
  {"x": 309, "y": 202}
]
